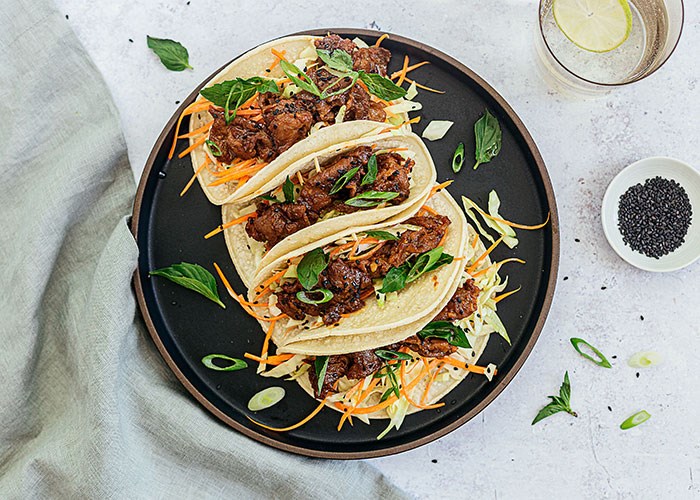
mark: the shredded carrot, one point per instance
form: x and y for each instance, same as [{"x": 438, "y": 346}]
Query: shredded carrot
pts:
[
  {"x": 424, "y": 87},
  {"x": 394, "y": 150},
  {"x": 356, "y": 244},
  {"x": 272, "y": 279},
  {"x": 197, "y": 131},
  {"x": 407, "y": 122},
  {"x": 291, "y": 427},
  {"x": 508, "y": 223},
  {"x": 236, "y": 167},
  {"x": 240, "y": 299},
  {"x": 402, "y": 73},
  {"x": 371, "y": 252},
  {"x": 380, "y": 40},
  {"x": 437, "y": 188},
  {"x": 367, "y": 294},
  {"x": 443, "y": 239},
  {"x": 270, "y": 360},
  {"x": 238, "y": 173},
  {"x": 476, "y": 241},
  {"x": 504, "y": 295},
  {"x": 481, "y": 370},
  {"x": 196, "y": 106},
  {"x": 194, "y": 176},
  {"x": 430, "y": 383},
  {"x": 266, "y": 342},
  {"x": 499, "y": 264},
  {"x": 248, "y": 112},
  {"x": 476, "y": 263},
  {"x": 428, "y": 209},
  {"x": 402, "y": 375},
  {"x": 340, "y": 248},
  {"x": 230, "y": 223},
  {"x": 396, "y": 74},
  {"x": 194, "y": 145},
  {"x": 250, "y": 101},
  {"x": 363, "y": 395},
  {"x": 280, "y": 55}
]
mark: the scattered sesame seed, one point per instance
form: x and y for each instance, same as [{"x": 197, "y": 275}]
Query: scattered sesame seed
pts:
[{"x": 566, "y": 278}]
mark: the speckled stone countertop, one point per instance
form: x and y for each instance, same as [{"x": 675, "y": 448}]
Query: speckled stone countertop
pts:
[{"x": 599, "y": 297}]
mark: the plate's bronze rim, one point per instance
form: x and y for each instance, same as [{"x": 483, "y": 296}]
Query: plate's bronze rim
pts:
[{"x": 501, "y": 384}]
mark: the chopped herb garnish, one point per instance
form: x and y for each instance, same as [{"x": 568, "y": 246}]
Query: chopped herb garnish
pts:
[
  {"x": 371, "y": 174},
  {"x": 392, "y": 355},
  {"x": 236, "y": 364},
  {"x": 445, "y": 330},
  {"x": 601, "y": 361},
  {"x": 559, "y": 403},
  {"x": 310, "y": 266},
  {"x": 382, "y": 235},
  {"x": 337, "y": 59},
  {"x": 371, "y": 198},
  {"x": 458, "y": 158},
  {"x": 638, "y": 418},
  {"x": 398, "y": 277},
  {"x": 304, "y": 296},
  {"x": 193, "y": 277},
  {"x": 488, "y": 135},
  {"x": 288, "y": 191},
  {"x": 215, "y": 150},
  {"x": 231, "y": 94},
  {"x": 381, "y": 86},
  {"x": 172, "y": 54},
  {"x": 320, "y": 367},
  {"x": 343, "y": 180}
]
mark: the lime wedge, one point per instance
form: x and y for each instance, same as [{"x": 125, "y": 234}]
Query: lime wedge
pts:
[{"x": 594, "y": 25}]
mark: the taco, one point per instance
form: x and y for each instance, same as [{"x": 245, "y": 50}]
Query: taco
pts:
[
  {"x": 286, "y": 99},
  {"x": 357, "y": 183},
  {"x": 375, "y": 278},
  {"x": 412, "y": 374}
]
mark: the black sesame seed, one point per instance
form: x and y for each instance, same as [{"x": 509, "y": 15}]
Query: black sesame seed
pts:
[
  {"x": 577, "y": 240},
  {"x": 566, "y": 278},
  {"x": 177, "y": 102},
  {"x": 654, "y": 217},
  {"x": 434, "y": 460},
  {"x": 66, "y": 16},
  {"x": 131, "y": 40},
  {"x": 637, "y": 374},
  {"x": 609, "y": 408},
  {"x": 614, "y": 357},
  {"x": 641, "y": 317},
  {"x": 603, "y": 287}
]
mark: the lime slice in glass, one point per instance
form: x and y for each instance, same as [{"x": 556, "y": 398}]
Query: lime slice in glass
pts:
[{"x": 594, "y": 25}]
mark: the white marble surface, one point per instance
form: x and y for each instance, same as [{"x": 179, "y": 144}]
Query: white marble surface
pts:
[{"x": 584, "y": 143}]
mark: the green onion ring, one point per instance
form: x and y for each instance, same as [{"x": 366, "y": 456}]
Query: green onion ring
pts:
[
  {"x": 304, "y": 297},
  {"x": 212, "y": 145},
  {"x": 602, "y": 361},
  {"x": 236, "y": 364},
  {"x": 266, "y": 398},
  {"x": 458, "y": 158},
  {"x": 638, "y": 418},
  {"x": 391, "y": 355}
]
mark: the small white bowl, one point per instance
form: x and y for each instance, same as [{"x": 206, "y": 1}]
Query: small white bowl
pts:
[{"x": 638, "y": 172}]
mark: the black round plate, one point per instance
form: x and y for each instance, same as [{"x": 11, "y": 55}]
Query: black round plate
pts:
[{"x": 185, "y": 326}]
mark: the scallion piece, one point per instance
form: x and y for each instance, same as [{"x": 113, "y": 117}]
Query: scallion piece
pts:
[
  {"x": 601, "y": 361},
  {"x": 236, "y": 364},
  {"x": 266, "y": 398},
  {"x": 391, "y": 355},
  {"x": 638, "y": 418},
  {"x": 304, "y": 296},
  {"x": 458, "y": 158},
  {"x": 644, "y": 359},
  {"x": 213, "y": 147}
]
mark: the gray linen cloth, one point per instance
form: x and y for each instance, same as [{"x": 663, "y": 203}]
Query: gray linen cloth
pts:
[{"x": 87, "y": 407}]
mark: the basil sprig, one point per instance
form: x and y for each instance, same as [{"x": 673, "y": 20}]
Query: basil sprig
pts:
[
  {"x": 398, "y": 277},
  {"x": 559, "y": 403},
  {"x": 391, "y": 355},
  {"x": 320, "y": 367},
  {"x": 445, "y": 330},
  {"x": 372, "y": 170},
  {"x": 193, "y": 277},
  {"x": 337, "y": 59},
  {"x": 458, "y": 158},
  {"x": 236, "y": 364},
  {"x": 310, "y": 266},
  {"x": 294, "y": 75},
  {"x": 172, "y": 54},
  {"x": 231, "y": 94},
  {"x": 382, "y": 235},
  {"x": 303, "y": 296},
  {"x": 288, "y": 191},
  {"x": 488, "y": 136},
  {"x": 381, "y": 86},
  {"x": 343, "y": 180},
  {"x": 601, "y": 361},
  {"x": 371, "y": 198}
]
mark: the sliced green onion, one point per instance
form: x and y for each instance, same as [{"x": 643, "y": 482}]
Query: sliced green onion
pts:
[
  {"x": 602, "y": 361},
  {"x": 266, "y": 398},
  {"x": 371, "y": 198},
  {"x": 320, "y": 367},
  {"x": 213, "y": 145},
  {"x": 644, "y": 359},
  {"x": 304, "y": 296},
  {"x": 391, "y": 355},
  {"x": 458, "y": 158},
  {"x": 236, "y": 364},
  {"x": 343, "y": 180},
  {"x": 638, "y": 418}
]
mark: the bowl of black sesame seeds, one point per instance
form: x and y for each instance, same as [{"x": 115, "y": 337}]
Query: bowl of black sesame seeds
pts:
[{"x": 651, "y": 214}]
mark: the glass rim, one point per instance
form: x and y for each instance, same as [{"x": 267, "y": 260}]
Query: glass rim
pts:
[{"x": 601, "y": 84}]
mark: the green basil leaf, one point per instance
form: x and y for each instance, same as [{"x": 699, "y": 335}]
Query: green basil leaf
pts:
[
  {"x": 344, "y": 179},
  {"x": 304, "y": 296},
  {"x": 445, "y": 330},
  {"x": 444, "y": 259},
  {"x": 236, "y": 364},
  {"x": 565, "y": 390},
  {"x": 547, "y": 411},
  {"x": 215, "y": 150},
  {"x": 601, "y": 361},
  {"x": 391, "y": 355},
  {"x": 488, "y": 136},
  {"x": 310, "y": 266},
  {"x": 458, "y": 158},
  {"x": 381, "y": 86},
  {"x": 386, "y": 394},
  {"x": 193, "y": 277},
  {"x": 337, "y": 59},
  {"x": 294, "y": 73},
  {"x": 288, "y": 191},
  {"x": 238, "y": 89},
  {"x": 269, "y": 197},
  {"x": 382, "y": 235},
  {"x": 371, "y": 174},
  {"x": 395, "y": 279},
  {"x": 320, "y": 367},
  {"x": 171, "y": 53},
  {"x": 371, "y": 198},
  {"x": 424, "y": 262}
]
